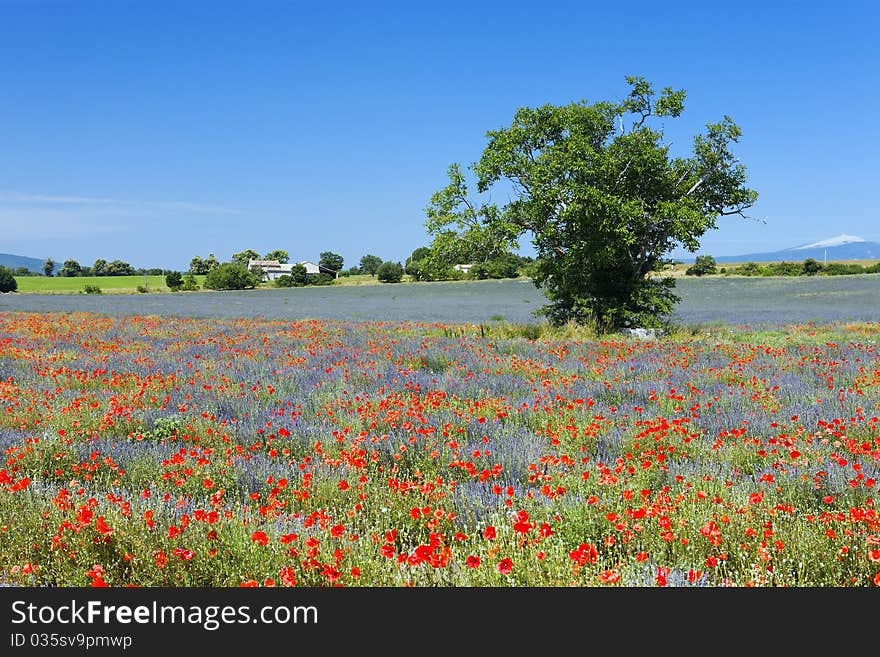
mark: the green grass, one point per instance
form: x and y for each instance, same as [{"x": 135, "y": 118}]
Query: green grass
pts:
[{"x": 108, "y": 284}]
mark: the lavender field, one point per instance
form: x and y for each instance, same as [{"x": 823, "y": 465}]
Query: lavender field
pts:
[{"x": 740, "y": 301}]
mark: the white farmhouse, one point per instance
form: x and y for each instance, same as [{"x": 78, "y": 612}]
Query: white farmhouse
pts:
[{"x": 273, "y": 270}]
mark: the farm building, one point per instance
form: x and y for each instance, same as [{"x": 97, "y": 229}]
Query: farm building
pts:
[{"x": 273, "y": 270}]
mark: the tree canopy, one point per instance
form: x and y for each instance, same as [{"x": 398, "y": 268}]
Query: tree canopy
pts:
[
  {"x": 370, "y": 264},
  {"x": 604, "y": 200},
  {"x": 244, "y": 257},
  {"x": 231, "y": 276},
  {"x": 70, "y": 268},
  {"x": 280, "y": 255},
  {"x": 7, "y": 280},
  {"x": 390, "y": 272},
  {"x": 330, "y": 261}
]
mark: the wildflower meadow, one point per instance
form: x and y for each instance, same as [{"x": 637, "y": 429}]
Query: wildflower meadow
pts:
[{"x": 180, "y": 452}]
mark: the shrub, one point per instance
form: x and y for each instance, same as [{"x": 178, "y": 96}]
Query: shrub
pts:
[
  {"x": 299, "y": 276},
  {"x": 505, "y": 266},
  {"x": 7, "y": 280},
  {"x": 231, "y": 276},
  {"x": 189, "y": 283},
  {"x": 174, "y": 280},
  {"x": 812, "y": 266},
  {"x": 143, "y": 289},
  {"x": 840, "y": 269},
  {"x": 91, "y": 289},
  {"x": 321, "y": 279},
  {"x": 749, "y": 269},
  {"x": 390, "y": 272},
  {"x": 702, "y": 266},
  {"x": 783, "y": 269},
  {"x": 873, "y": 269},
  {"x": 287, "y": 280}
]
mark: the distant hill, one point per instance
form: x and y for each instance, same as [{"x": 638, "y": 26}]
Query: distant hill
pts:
[
  {"x": 834, "y": 249},
  {"x": 16, "y": 261}
]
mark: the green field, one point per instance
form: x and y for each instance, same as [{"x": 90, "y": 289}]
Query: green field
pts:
[{"x": 108, "y": 284}]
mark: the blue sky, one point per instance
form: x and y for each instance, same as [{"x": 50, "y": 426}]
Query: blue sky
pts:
[{"x": 154, "y": 131}]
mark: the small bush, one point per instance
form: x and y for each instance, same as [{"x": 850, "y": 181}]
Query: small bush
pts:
[
  {"x": 702, "y": 266},
  {"x": 91, "y": 289},
  {"x": 321, "y": 279},
  {"x": 840, "y": 269},
  {"x": 390, "y": 272},
  {"x": 174, "y": 280},
  {"x": 812, "y": 266},
  {"x": 783, "y": 269},
  {"x": 748, "y": 269},
  {"x": 189, "y": 283},
  {"x": 286, "y": 280},
  {"x": 297, "y": 277},
  {"x": 7, "y": 280},
  {"x": 231, "y": 276},
  {"x": 143, "y": 289}
]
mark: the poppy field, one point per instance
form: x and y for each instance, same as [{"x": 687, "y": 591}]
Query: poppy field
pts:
[{"x": 173, "y": 451}]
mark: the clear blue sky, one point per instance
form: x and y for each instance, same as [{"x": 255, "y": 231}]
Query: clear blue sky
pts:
[{"x": 154, "y": 131}]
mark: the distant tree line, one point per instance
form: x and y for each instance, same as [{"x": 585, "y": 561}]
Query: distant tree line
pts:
[
  {"x": 101, "y": 267},
  {"x": 706, "y": 265}
]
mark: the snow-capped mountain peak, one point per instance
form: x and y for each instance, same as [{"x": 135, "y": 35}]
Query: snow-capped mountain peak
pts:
[{"x": 831, "y": 241}]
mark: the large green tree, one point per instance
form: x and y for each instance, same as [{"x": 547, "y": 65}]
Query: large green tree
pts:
[
  {"x": 70, "y": 268},
  {"x": 48, "y": 267},
  {"x": 370, "y": 264},
  {"x": 604, "y": 199},
  {"x": 464, "y": 230},
  {"x": 330, "y": 261}
]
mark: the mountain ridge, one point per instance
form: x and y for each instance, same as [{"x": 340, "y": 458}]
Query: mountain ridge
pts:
[
  {"x": 15, "y": 261},
  {"x": 841, "y": 247}
]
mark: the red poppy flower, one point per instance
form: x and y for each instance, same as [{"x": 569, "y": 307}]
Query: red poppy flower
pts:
[
  {"x": 287, "y": 576},
  {"x": 505, "y": 566},
  {"x": 609, "y": 577},
  {"x": 662, "y": 572},
  {"x": 489, "y": 533},
  {"x": 102, "y": 526},
  {"x": 184, "y": 554},
  {"x": 84, "y": 515},
  {"x": 473, "y": 561},
  {"x": 584, "y": 554},
  {"x": 874, "y": 555},
  {"x": 337, "y": 530},
  {"x": 260, "y": 538}
]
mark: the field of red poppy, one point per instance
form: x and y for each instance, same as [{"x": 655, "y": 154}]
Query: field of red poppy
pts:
[{"x": 162, "y": 451}]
